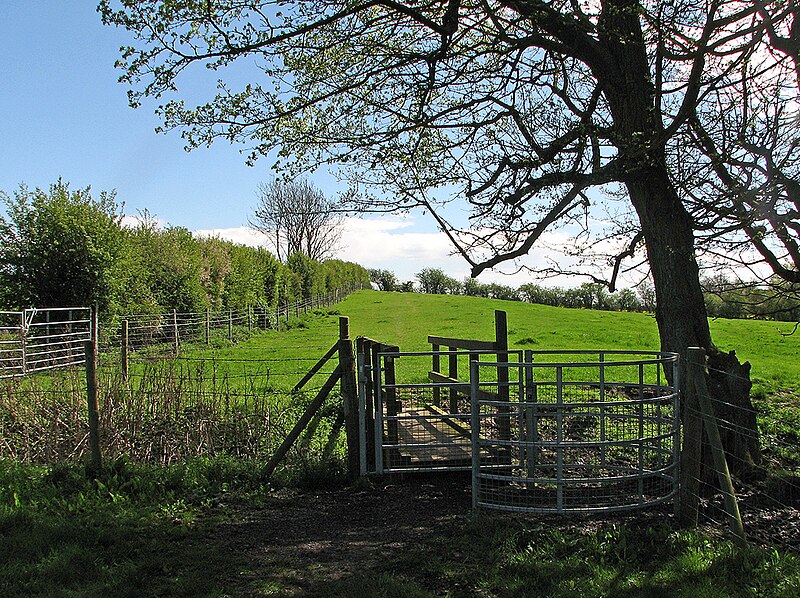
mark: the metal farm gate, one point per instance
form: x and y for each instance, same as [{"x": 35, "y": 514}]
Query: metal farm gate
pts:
[
  {"x": 410, "y": 426},
  {"x": 545, "y": 431},
  {"x": 33, "y": 340}
]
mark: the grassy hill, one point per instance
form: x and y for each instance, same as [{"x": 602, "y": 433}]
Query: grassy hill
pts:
[{"x": 406, "y": 319}]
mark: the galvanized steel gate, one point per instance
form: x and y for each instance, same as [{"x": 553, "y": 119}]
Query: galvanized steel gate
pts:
[
  {"x": 42, "y": 339},
  {"x": 540, "y": 431}
]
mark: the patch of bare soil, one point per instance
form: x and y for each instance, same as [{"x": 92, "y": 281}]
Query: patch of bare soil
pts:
[{"x": 300, "y": 541}]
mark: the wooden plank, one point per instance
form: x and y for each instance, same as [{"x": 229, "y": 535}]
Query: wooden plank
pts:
[
  {"x": 418, "y": 428},
  {"x": 450, "y": 421},
  {"x": 317, "y": 367},
  {"x": 461, "y": 343},
  {"x": 464, "y": 387}
]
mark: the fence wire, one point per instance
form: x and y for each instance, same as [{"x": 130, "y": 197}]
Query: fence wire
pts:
[
  {"x": 165, "y": 409},
  {"x": 767, "y": 488}
]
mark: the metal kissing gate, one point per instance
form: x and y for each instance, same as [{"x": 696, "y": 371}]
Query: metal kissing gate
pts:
[{"x": 539, "y": 431}]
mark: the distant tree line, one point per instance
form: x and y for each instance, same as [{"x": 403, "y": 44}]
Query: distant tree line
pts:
[
  {"x": 724, "y": 298},
  {"x": 65, "y": 248}
]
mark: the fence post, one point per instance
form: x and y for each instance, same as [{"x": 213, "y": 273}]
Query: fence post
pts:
[
  {"x": 392, "y": 408},
  {"x": 23, "y": 339},
  {"x": 501, "y": 346},
  {"x": 208, "y": 325},
  {"x": 697, "y": 368},
  {"x": 93, "y": 411},
  {"x": 249, "y": 319},
  {"x": 175, "y": 340},
  {"x": 436, "y": 366},
  {"x": 230, "y": 325},
  {"x": 452, "y": 372},
  {"x": 691, "y": 450},
  {"x": 349, "y": 396},
  {"x": 125, "y": 338}
]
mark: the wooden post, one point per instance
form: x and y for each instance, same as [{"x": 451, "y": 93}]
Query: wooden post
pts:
[
  {"x": 452, "y": 372},
  {"x": 23, "y": 341},
  {"x": 697, "y": 371},
  {"x": 208, "y": 326},
  {"x": 125, "y": 343},
  {"x": 365, "y": 349},
  {"x": 230, "y": 325},
  {"x": 392, "y": 404},
  {"x": 347, "y": 365},
  {"x": 501, "y": 346},
  {"x": 249, "y": 319},
  {"x": 175, "y": 339},
  {"x": 691, "y": 450},
  {"x": 93, "y": 411},
  {"x": 436, "y": 367}
]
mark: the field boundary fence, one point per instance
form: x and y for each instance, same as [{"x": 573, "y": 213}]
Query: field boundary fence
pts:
[
  {"x": 39, "y": 339},
  {"x": 170, "y": 330}
]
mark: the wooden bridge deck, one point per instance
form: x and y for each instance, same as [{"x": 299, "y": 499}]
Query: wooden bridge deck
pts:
[{"x": 439, "y": 441}]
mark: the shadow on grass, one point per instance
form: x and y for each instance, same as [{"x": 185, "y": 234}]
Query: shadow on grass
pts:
[{"x": 109, "y": 553}]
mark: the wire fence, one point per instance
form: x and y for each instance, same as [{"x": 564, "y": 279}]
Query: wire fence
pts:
[
  {"x": 761, "y": 442},
  {"x": 171, "y": 330},
  {"x": 169, "y": 408},
  {"x": 166, "y": 406}
]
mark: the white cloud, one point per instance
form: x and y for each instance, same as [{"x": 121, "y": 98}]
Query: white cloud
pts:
[
  {"x": 243, "y": 235},
  {"x": 129, "y": 221},
  {"x": 396, "y": 243}
]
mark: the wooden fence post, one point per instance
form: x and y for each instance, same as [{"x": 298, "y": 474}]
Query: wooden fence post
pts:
[
  {"x": 501, "y": 346},
  {"x": 93, "y": 411},
  {"x": 691, "y": 451},
  {"x": 175, "y": 339},
  {"x": 436, "y": 367},
  {"x": 392, "y": 406},
  {"x": 230, "y": 325},
  {"x": 208, "y": 326},
  {"x": 452, "y": 372},
  {"x": 696, "y": 371},
  {"x": 349, "y": 396},
  {"x": 125, "y": 342}
]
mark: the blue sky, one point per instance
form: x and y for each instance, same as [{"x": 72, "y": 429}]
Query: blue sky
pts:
[{"x": 65, "y": 115}]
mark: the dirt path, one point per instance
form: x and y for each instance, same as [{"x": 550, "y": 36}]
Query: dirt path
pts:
[{"x": 299, "y": 543}]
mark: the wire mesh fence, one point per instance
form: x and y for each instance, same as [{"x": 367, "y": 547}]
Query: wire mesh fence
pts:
[
  {"x": 761, "y": 442},
  {"x": 170, "y": 330},
  {"x": 169, "y": 408},
  {"x": 576, "y": 432}
]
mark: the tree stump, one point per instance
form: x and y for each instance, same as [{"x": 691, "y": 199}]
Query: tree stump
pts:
[{"x": 729, "y": 389}]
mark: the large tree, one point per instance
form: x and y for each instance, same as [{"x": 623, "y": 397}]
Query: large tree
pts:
[
  {"x": 297, "y": 218},
  {"x": 606, "y": 118}
]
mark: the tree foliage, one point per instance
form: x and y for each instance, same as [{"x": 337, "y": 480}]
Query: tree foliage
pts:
[
  {"x": 385, "y": 280},
  {"x": 435, "y": 281},
  {"x": 60, "y": 248},
  {"x": 618, "y": 121},
  {"x": 64, "y": 248}
]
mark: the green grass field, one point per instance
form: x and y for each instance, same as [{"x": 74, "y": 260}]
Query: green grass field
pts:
[
  {"x": 406, "y": 319},
  {"x": 208, "y": 526}
]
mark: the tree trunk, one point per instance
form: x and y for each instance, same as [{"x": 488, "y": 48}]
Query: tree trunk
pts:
[
  {"x": 682, "y": 319},
  {"x": 666, "y": 225}
]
